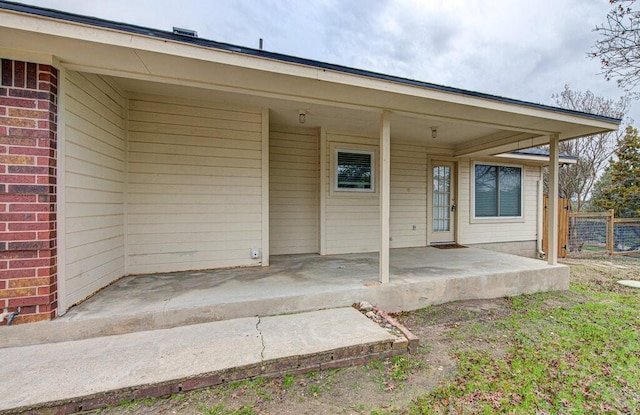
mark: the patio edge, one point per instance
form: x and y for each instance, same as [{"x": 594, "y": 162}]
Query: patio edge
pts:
[{"x": 325, "y": 360}]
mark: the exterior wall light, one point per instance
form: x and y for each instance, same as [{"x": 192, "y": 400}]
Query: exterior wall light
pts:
[
  {"x": 434, "y": 132},
  {"x": 302, "y": 116}
]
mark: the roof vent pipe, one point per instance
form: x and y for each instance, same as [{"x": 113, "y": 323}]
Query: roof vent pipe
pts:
[
  {"x": 260, "y": 43},
  {"x": 184, "y": 32}
]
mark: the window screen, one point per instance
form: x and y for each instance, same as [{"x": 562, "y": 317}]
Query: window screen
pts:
[{"x": 354, "y": 170}]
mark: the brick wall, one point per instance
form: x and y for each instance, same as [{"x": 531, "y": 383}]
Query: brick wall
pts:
[{"x": 28, "y": 279}]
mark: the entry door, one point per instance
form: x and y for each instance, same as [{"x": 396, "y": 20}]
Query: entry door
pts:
[{"x": 443, "y": 203}]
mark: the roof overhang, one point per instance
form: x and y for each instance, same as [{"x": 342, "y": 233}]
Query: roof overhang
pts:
[
  {"x": 541, "y": 159},
  {"x": 335, "y": 97}
]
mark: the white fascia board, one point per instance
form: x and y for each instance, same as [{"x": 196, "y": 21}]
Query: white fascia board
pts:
[
  {"x": 540, "y": 159},
  {"x": 99, "y": 35}
]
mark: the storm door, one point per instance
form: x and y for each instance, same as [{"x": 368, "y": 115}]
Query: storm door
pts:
[{"x": 443, "y": 203}]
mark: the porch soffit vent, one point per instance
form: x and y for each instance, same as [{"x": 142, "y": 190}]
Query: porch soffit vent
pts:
[{"x": 185, "y": 32}]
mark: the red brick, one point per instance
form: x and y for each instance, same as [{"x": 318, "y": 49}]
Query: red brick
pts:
[
  {"x": 16, "y": 160},
  {"x": 29, "y": 113},
  {"x": 29, "y": 226},
  {"x": 14, "y": 178},
  {"x": 48, "y": 235},
  {"x": 29, "y": 318},
  {"x": 28, "y": 282},
  {"x": 17, "y": 217},
  {"x": 44, "y": 290},
  {"x": 49, "y": 253},
  {"x": 27, "y": 186},
  {"x": 18, "y": 141},
  {"x": 29, "y": 263},
  {"x": 27, "y": 245},
  {"x": 17, "y": 198},
  {"x": 17, "y": 255},
  {"x": 34, "y": 207},
  {"x": 32, "y": 75},
  {"x": 17, "y": 236},
  {"x": 45, "y": 272},
  {"x": 45, "y": 180},
  {"x": 26, "y": 93},
  {"x": 20, "y": 74},
  {"x": 26, "y": 132},
  {"x": 18, "y": 122},
  {"x": 17, "y": 102},
  {"x": 30, "y": 151},
  {"x": 24, "y": 169},
  {"x": 18, "y": 292},
  {"x": 3, "y": 285},
  {"x": 26, "y": 310},
  {"x": 35, "y": 189},
  {"x": 7, "y": 72},
  {"x": 46, "y": 217}
]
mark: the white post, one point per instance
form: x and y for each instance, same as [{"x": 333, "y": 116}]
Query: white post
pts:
[
  {"x": 552, "y": 231},
  {"x": 385, "y": 194}
]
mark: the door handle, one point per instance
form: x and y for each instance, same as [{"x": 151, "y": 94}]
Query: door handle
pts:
[{"x": 453, "y": 208}]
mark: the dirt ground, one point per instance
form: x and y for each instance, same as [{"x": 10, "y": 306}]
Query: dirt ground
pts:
[{"x": 384, "y": 385}]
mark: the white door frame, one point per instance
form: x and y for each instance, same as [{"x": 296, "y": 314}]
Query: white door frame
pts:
[{"x": 435, "y": 237}]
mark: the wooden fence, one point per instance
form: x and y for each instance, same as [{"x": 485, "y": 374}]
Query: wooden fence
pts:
[
  {"x": 592, "y": 233},
  {"x": 564, "y": 207}
]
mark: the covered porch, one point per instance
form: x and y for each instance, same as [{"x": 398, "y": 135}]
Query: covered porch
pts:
[
  {"x": 294, "y": 283},
  {"x": 174, "y": 154}
]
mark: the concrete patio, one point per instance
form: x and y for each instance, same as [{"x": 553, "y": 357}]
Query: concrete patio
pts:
[{"x": 294, "y": 283}]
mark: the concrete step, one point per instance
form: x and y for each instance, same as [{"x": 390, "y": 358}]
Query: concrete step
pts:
[{"x": 80, "y": 375}]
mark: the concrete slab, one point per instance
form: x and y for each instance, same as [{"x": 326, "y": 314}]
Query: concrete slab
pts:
[
  {"x": 295, "y": 283},
  {"x": 313, "y": 332},
  {"x": 40, "y": 374}
]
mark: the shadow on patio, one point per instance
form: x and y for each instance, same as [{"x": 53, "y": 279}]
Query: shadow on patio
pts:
[{"x": 294, "y": 283}]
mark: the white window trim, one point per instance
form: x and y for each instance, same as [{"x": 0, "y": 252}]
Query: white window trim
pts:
[
  {"x": 371, "y": 153},
  {"x": 472, "y": 196}
]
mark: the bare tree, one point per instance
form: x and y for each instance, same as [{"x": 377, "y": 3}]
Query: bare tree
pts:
[
  {"x": 593, "y": 153},
  {"x": 619, "y": 47}
]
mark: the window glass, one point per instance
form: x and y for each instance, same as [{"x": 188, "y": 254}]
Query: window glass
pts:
[
  {"x": 510, "y": 192},
  {"x": 486, "y": 200},
  {"x": 498, "y": 191},
  {"x": 354, "y": 171}
]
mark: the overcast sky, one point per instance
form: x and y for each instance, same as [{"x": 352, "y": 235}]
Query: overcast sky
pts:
[{"x": 520, "y": 49}]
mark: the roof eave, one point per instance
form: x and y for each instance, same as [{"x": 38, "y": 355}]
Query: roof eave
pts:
[{"x": 199, "y": 42}]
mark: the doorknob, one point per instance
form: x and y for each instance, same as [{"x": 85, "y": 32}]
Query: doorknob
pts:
[{"x": 453, "y": 208}]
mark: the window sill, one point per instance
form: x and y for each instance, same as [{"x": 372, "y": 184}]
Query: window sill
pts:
[{"x": 497, "y": 220}]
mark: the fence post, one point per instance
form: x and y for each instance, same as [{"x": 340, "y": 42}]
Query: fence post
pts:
[{"x": 610, "y": 233}]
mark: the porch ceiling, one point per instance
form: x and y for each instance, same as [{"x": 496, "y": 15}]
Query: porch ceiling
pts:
[
  {"x": 339, "y": 100},
  {"x": 284, "y": 112}
]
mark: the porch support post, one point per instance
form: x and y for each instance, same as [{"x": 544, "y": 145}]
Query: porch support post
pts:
[
  {"x": 385, "y": 194},
  {"x": 552, "y": 231}
]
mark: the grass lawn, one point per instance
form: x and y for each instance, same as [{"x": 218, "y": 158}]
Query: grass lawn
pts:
[{"x": 569, "y": 352}]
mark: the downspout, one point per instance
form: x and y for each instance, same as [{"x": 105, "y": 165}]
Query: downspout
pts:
[{"x": 539, "y": 216}]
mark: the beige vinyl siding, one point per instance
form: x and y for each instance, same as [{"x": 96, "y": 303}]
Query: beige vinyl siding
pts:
[
  {"x": 352, "y": 219},
  {"x": 491, "y": 231},
  {"x": 408, "y": 195},
  {"x": 195, "y": 185},
  {"x": 293, "y": 191},
  {"x": 94, "y": 184}
]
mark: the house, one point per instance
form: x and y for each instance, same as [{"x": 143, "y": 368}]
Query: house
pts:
[{"x": 127, "y": 150}]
